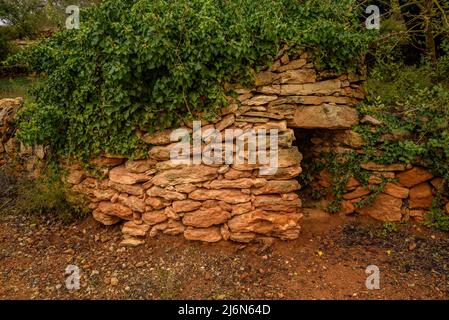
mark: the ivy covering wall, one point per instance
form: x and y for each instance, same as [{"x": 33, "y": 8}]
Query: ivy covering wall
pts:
[{"x": 148, "y": 64}]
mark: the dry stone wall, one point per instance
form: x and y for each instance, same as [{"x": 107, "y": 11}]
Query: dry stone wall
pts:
[
  {"x": 406, "y": 191},
  {"x": 212, "y": 202},
  {"x": 225, "y": 202}
]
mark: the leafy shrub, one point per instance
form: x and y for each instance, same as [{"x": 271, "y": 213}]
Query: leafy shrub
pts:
[
  {"x": 28, "y": 18},
  {"x": 414, "y": 106},
  {"x": 150, "y": 64}
]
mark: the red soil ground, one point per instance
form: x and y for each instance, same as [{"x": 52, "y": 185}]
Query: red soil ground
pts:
[{"x": 328, "y": 261}]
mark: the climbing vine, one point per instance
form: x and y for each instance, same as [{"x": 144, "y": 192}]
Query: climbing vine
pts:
[{"x": 145, "y": 64}]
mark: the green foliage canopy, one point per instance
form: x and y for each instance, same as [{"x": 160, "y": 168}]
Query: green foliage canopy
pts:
[{"x": 150, "y": 63}]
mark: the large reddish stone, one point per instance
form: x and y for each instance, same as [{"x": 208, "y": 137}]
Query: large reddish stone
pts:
[
  {"x": 166, "y": 194},
  {"x": 206, "y": 217},
  {"x": 325, "y": 116},
  {"x": 396, "y": 191},
  {"x": 349, "y": 138},
  {"x": 327, "y": 87},
  {"x": 161, "y": 153},
  {"x": 123, "y": 176},
  {"x": 259, "y": 221},
  {"x": 241, "y": 208},
  {"x": 414, "y": 176},
  {"x": 289, "y": 157},
  {"x": 211, "y": 234},
  {"x": 174, "y": 228},
  {"x": 298, "y": 76},
  {"x": 157, "y": 203},
  {"x": 154, "y": 217},
  {"x": 86, "y": 187},
  {"x": 347, "y": 207},
  {"x": 293, "y": 65},
  {"x": 136, "y": 190},
  {"x": 225, "y": 122},
  {"x": 383, "y": 208},
  {"x": 185, "y": 188},
  {"x": 104, "y": 218},
  {"x": 185, "y": 205},
  {"x": 116, "y": 209},
  {"x": 137, "y": 230},
  {"x": 421, "y": 196},
  {"x": 103, "y": 195}
]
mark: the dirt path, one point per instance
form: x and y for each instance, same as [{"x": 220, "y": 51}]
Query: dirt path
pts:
[{"x": 327, "y": 262}]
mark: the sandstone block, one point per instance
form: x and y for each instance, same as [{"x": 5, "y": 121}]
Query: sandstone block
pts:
[
  {"x": 103, "y": 195},
  {"x": 325, "y": 116},
  {"x": 139, "y": 166},
  {"x": 166, "y": 194},
  {"x": 154, "y": 217},
  {"x": 276, "y": 203},
  {"x": 123, "y": 176},
  {"x": 193, "y": 174},
  {"x": 105, "y": 219},
  {"x": 136, "y": 190},
  {"x": 384, "y": 208},
  {"x": 186, "y": 205},
  {"x": 137, "y": 230},
  {"x": 234, "y": 174},
  {"x": 414, "y": 176},
  {"x": 206, "y": 217},
  {"x": 115, "y": 209},
  {"x": 259, "y": 221},
  {"x": 421, "y": 196},
  {"x": 106, "y": 161},
  {"x": 211, "y": 234},
  {"x": 396, "y": 191},
  {"x": 174, "y": 228}
]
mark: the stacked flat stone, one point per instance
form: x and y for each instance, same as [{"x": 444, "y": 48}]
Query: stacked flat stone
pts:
[{"x": 202, "y": 202}]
